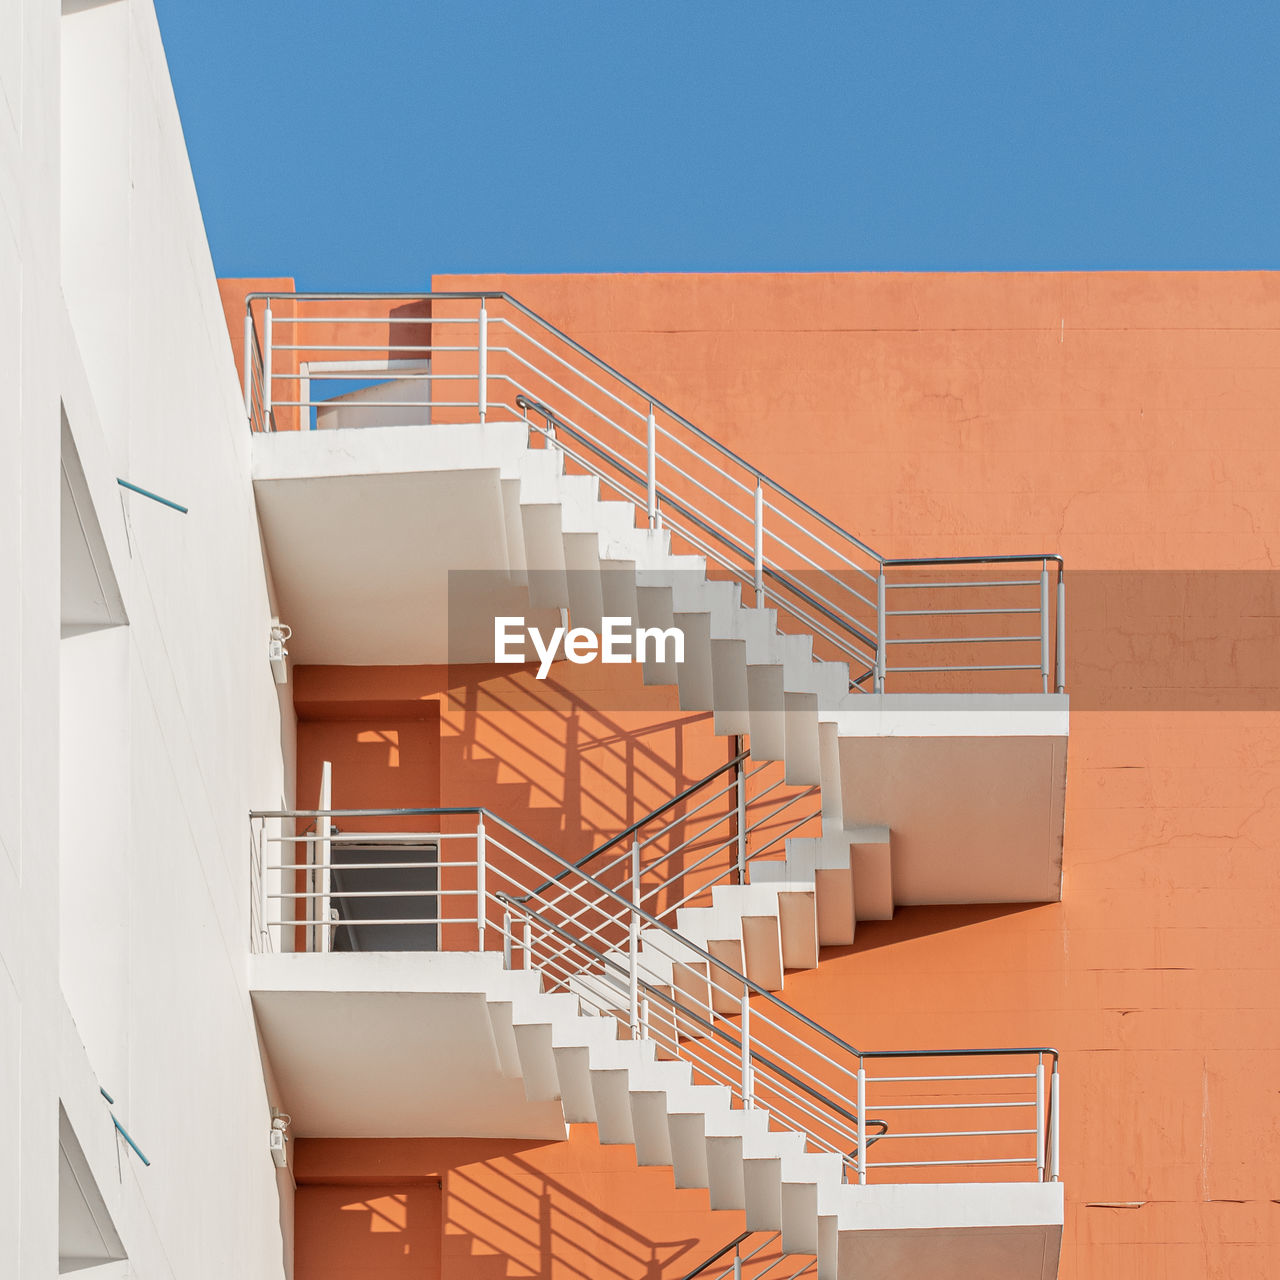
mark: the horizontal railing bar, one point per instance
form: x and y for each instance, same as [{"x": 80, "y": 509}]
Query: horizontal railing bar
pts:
[
  {"x": 1025, "y": 666},
  {"x": 954, "y": 613},
  {"x": 389, "y": 348},
  {"x": 960, "y": 1133},
  {"x": 334, "y": 924},
  {"x": 964, "y": 640},
  {"x": 1013, "y": 1075},
  {"x": 367, "y": 813},
  {"x": 374, "y": 838},
  {"x": 958, "y": 1162},
  {"x": 945, "y": 1106},
  {"x": 321, "y": 895},
  {"x": 917, "y": 586},
  {"x": 907, "y": 562}
]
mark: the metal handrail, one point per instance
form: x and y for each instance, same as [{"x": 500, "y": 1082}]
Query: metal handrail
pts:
[
  {"x": 665, "y": 807},
  {"x": 715, "y": 1257},
  {"x": 653, "y": 922},
  {"x": 587, "y": 963},
  {"x": 817, "y": 611},
  {"x": 674, "y": 504},
  {"x": 500, "y": 295}
]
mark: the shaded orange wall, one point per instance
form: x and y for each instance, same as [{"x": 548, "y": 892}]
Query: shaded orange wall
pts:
[
  {"x": 1127, "y": 420},
  {"x": 566, "y": 1210},
  {"x": 544, "y": 754}
]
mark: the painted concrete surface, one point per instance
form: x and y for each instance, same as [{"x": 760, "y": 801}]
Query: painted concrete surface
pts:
[
  {"x": 134, "y": 733},
  {"x": 1125, "y": 420}
]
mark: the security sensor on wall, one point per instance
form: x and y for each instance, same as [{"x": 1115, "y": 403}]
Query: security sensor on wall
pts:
[{"x": 277, "y": 653}]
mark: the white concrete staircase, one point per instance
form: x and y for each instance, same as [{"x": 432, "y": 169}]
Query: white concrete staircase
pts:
[
  {"x": 747, "y": 1161},
  {"x": 900, "y": 824}
]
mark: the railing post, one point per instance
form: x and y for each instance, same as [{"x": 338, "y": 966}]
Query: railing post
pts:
[
  {"x": 737, "y": 1262},
  {"x": 264, "y": 901},
  {"x": 881, "y": 664},
  {"x": 248, "y": 366},
  {"x": 482, "y": 898},
  {"x": 652, "y": 470},
  {"x": 1053, "y": 1123},
  {"x": 1041, "y": 1135},
  {"x": 741, "y": 802},
  {"x": 482, "y": 394},
  {"x": 759, "y": 548},
  {"x": 633, "y": 944},
  {"x": 862, "y": 1123},
  {"x": 748, "y": 1081},
  {"x": 266, "y": 369},
  {"x": 1044, "y": 625},
  {"x": 1060, "y": 669},
  {"x": 506, "y": 938},
  {"x": 324, "y": 851},
  {"x": 644, "y": 1017}
]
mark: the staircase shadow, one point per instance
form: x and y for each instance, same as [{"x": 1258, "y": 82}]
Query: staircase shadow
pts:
[
  {"x": 507, "y": 1219},
  {"x": 555, "y": 763},
  {"x": 911, "y": 923}
]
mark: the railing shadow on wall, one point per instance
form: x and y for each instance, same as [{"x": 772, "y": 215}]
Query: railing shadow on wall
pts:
[{"x": 536, "y": 1226}]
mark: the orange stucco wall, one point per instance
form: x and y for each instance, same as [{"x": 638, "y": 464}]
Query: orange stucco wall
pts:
[
  {"x": 481, "y": 1209},
  {"x": 1128, "y": 421}
]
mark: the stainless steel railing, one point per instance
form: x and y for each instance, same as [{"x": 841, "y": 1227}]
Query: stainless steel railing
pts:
[
  {"x": 459, "y": 879},
  {"x": 316, "y": 361}
]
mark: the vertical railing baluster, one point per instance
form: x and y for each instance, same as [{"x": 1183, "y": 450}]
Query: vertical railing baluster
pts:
[
  {"x": 633, "y": 943},
  {"x": 652, "y": 469},
  {"x": 527, "y": 939},
  {"x": 881, "y": 662},
  {"x": 748, "y": 1081},
  {"x": 506, "y": 938},
  {"x": 862, "y": 1123},
  {"x": 1053, "y": 1123},
  {"x": 1041, "y": 1135},
  {"x": 1060, "y": 667},
  {"x": 482, "y": 343},
  {"x": 264, "y": 900},
  {"x": 759, "y": 544},
  {"x": 740, "y": 800},
  {"x": 266, "y": 370},
  {"x": 1044, "y": 625},
  {"x": 482, "y": 897}
]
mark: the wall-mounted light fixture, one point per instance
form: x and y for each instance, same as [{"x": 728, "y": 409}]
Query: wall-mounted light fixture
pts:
[
  {"x": 276, "y": 651},
  {"x": 278, "y": 1137}
]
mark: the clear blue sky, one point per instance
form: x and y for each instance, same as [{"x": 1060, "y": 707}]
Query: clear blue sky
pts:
[{"x": 369, "y": 145}]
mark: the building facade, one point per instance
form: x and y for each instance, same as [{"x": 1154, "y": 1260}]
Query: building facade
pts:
[{"x": 912, "y": 918}]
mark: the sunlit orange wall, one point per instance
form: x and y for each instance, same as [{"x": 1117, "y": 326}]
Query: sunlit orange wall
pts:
[{"x": 1127, "y": 420}]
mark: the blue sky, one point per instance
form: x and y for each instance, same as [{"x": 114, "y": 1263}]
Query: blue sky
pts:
[{"x": 369, "y": 145}]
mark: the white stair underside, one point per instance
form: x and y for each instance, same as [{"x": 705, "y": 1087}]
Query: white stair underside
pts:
[{"x": 561, "y": 1056}]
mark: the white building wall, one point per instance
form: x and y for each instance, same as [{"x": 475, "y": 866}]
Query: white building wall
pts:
[
  {"x": 29, "y": 434},
  {"x": 129, "y": 755}
]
